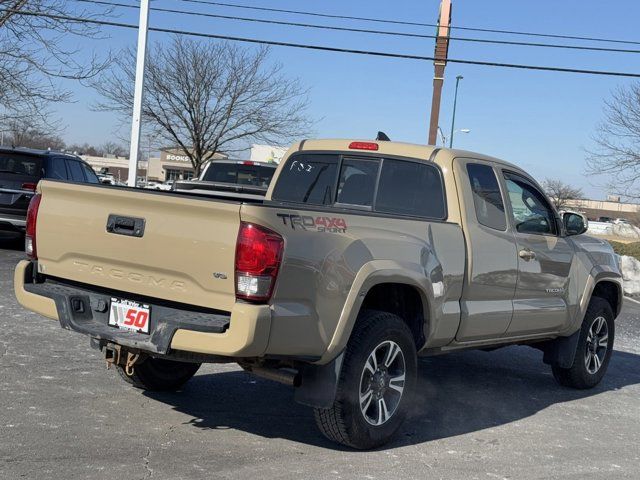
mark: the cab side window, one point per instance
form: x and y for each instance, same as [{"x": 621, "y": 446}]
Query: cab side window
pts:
[
  {"x": 531, "y": 212},
  {"x": 487, "y": 198},
  {"x": 410, "y": 188}
]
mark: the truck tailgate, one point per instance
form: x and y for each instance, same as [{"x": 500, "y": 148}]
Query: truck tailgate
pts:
[{"x": 185, "y": 254}]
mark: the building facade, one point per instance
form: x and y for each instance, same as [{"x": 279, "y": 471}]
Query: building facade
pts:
[
  {"x": 173, "y": 164},
  {"x": 605, "y": 206},
  {"x": 267, "y": 153},
  {"x": 113, "y": 165}
]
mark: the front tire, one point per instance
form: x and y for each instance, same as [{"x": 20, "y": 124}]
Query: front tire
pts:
[
  {"x": 594, "y": 348},
  {"x": 376, "y": 383},
  {"x": 159, "y": 374}
]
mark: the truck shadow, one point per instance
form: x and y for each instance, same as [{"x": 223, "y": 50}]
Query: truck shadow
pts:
[
  {"x": 11, "y": 241},
  {"x": 457, "y": 393}
]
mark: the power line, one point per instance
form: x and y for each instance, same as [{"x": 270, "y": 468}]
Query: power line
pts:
[
  {"x": 325, "y": 48},
  {"x": 416, "y": 24},
  {"x": 361, "y": 30}
]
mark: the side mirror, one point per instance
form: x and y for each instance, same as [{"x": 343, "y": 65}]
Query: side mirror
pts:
[{"x": 574, "y": 223}]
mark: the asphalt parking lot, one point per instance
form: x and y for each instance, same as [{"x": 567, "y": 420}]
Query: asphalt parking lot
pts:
[{"x": 478, "y": 415}]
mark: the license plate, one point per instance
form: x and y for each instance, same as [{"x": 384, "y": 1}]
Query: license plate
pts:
[{"x": 129, "y": 315}]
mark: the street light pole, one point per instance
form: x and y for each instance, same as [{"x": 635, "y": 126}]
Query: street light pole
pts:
[
  {"x": 141, "y": 55},
  {"x": 453, "y": 118}
]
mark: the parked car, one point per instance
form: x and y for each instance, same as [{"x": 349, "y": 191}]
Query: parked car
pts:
[
  {"x": 230, "y": 178},
  {"x": 20, "y": 171},
  {"x": 166, "y": 186},
  {"x": 362, "y": 256},
  {"x": 107, "y": 179}
]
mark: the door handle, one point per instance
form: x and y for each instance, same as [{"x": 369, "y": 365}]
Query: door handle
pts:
[
  {"x": 129, "y": 226},
  {"x": 526, "y": 254}
]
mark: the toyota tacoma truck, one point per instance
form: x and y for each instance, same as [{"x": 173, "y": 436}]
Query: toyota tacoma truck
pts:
[{"x": 361, "y": 257}]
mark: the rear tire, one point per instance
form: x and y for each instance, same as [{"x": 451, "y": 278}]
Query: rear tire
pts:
[
  {"x": 376, "y": 383},
  {"x": 594, "y": 348},
  {"x": 159, "y": 374}
]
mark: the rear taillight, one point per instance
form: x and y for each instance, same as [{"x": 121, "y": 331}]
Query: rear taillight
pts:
[
  {"x": 30, "y": 234},
  {"x": 29, "y": 186},
  {"x": 258, "y": 256}
]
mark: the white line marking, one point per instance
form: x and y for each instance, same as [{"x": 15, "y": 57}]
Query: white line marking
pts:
[{"x": 632, "y": 300}]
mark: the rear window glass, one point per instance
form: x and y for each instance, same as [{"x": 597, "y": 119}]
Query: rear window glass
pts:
[
  {"x": 357, "y": 181},
  {"x": 307, "y": 179},
  {"x": 410, "y": 188},
  {"x": 487, "y": 198},
  {"x": 20, "y": 165},
  {"x": 242, "y": 174}
]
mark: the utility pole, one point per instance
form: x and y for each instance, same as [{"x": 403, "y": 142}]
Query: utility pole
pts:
[
  {"x": 441, "y": 51},
  {"x": 141, "y": 56},
  {"x": 453, "y": 117}
]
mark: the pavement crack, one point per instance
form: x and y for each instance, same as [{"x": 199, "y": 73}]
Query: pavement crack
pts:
[{"x": 145, "y": 459}]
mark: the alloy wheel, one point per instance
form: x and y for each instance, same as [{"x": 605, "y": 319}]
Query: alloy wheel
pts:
[
  {"x": 597, "y": 345},
  {"x": 382, "y": 383}
]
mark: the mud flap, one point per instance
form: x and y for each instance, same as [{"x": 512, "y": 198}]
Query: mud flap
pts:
[
  {"x": 561, "y": 351},
  {"x": 319, "y": 383}
]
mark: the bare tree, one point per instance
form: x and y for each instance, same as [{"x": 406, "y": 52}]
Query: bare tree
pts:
[
  {"x": 206, "y": 98},
  {"x": 35, "y": 53},
  {"x": 617, "y": 142},
  {"x": 113, "y": 148},
  {"x": 85, "y": 149},
  {"x": 560, "y": 193},
  {"x": 22, "y": 134}
]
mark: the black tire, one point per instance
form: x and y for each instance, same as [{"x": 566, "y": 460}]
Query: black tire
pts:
[
  {"x": 159, "y": 374},
  {"x": 581, "y": 374},
  {"x": 344, "y": 422}
]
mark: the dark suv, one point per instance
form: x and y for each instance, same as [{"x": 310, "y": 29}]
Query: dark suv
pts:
[{"x": 20, "y": 171}]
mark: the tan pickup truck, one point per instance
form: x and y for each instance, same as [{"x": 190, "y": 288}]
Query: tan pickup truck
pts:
[{"x": 362, "y": 257}]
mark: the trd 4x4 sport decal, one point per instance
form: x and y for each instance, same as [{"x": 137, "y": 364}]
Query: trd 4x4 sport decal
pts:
[{"x": 320, "y": 224}]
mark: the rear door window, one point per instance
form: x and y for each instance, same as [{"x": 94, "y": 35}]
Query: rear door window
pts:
[
  {"x": 57, "y": 169},
  {"x": 410, "y": 188},
  {"x": 487, "y": 198},
  {"x": 307, "y": 179},
  {"x": 75, "y": 170}
]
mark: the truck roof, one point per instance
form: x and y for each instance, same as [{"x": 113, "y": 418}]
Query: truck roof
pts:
[{"x": 403, "y": 149}]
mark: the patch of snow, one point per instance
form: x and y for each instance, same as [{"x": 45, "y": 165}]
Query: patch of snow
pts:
[{"x": 630, "y": 274}]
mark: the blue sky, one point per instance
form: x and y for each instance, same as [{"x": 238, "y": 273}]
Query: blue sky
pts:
[{"x": 541, "y": 121}]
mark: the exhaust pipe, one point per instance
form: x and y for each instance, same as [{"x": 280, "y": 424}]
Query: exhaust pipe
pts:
[{"x": 280, "y": 375}]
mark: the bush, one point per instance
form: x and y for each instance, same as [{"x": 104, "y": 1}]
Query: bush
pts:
[{"x": 630, "y": 249}]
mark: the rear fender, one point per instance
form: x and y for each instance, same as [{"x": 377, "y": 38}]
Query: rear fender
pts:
[{"x": 371, "y": 274}]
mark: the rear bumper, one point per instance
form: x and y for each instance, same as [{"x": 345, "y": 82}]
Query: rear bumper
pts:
[{"x": 242, "y": 333}]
